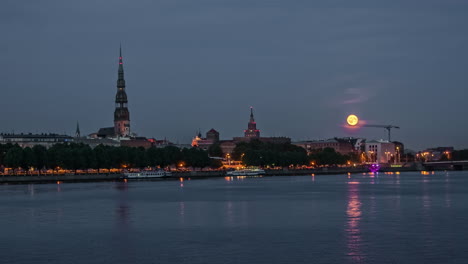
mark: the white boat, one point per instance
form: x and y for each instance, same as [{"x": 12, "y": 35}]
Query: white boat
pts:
[
  {"x": 246, "y": 172},
  {"x": 147, "y": 174}
]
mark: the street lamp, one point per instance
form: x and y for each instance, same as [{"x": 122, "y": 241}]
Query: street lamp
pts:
[
  {"x": 397, "y": 155},
  {"x": 447, "y": 154},
  {"x": 363, "y": 157}
]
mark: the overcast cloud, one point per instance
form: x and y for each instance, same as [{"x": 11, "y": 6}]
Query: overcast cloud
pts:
[{"x": 189, "y": 64}]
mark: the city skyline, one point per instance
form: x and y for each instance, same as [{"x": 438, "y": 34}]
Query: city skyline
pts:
[{"x": 304, "y": 73}]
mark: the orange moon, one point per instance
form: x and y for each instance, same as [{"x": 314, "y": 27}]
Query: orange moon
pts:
[{"x": 352, "y": 120}]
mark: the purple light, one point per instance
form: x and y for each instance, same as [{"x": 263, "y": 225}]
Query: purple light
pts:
[{"x": 374, "y": 167}]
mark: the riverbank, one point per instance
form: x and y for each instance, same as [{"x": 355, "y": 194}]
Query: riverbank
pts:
[{"x": 26, "y": 179}]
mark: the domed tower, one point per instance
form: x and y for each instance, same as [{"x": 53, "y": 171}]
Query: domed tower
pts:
[{"x": 121, "y": 114}]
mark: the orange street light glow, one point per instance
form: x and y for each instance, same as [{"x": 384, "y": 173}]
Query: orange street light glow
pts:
[{"x": 352, "y": 120}]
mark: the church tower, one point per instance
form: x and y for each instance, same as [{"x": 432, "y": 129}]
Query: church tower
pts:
[
  {"x": 252, "y": 131},
  {"x": 121, "y": 114},
  {"x": 77, "y": 132}
]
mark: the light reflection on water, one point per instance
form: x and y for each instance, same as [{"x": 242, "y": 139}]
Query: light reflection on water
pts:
[
  {"x": 447, "y": 189},
  {"x": 229, "y": 213},
  {"x": 31, "y": 190},
  {"x": 122, "y": 208},
  {"x": 398, "y": 194},
  {"x": 353, "y": 232},
  {"x": 371, "y": 218},
  {"x": 426, "y": 199},
  {"x": 182, "y": 212}
]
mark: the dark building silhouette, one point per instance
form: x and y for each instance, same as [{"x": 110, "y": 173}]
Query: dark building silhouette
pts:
[
  {"x": 77, "y": 132},
  {"x": 212, "y": 135},
  {"x": 105, "y": 132},
  {"x": 227, "y": 146},
  {"x": 252, "y": 131},
  {"x": 136, "y": 142},
  {"x": 30, "y": 140}
]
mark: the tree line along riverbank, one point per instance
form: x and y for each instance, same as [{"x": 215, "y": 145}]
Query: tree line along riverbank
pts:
[
  {"x": 75, "y": 157},
  {"x": 80, "y": 162}
]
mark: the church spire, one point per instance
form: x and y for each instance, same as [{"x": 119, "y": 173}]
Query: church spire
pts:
[
  {"x": 77, "y": 132},
  {"x": 121, "y": 113},
  {"x": 251, "y": 115},
  {"x": 120, "y": 55},
  {"x": 252, "y": 131},
  {"x": 120, "y": 80}
]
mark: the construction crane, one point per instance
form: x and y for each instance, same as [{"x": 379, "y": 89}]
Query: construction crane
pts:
[{"x": 387, "y": 127}]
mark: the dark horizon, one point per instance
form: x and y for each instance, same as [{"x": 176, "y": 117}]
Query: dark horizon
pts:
[{"x": 302, "y": 66}]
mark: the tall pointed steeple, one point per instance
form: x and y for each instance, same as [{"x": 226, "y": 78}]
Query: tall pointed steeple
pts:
[
  {"x": 121, "y": 113},
  {"x": 77, "y": 132},
  {"x": 120, "y": 80},
  {"x": 251, "y": 115},
  {"x": 252, "y": 131}
]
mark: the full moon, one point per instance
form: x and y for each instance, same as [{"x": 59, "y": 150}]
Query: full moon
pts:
[{"x": 352, "y": 120}]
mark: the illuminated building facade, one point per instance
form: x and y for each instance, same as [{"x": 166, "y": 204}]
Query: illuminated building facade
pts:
[
  {"x": 435, "y": 154},
  {"x": 252, "y": 131},
  {"x": 212, "y": 137},
  {"x": 380, "y": 151}
]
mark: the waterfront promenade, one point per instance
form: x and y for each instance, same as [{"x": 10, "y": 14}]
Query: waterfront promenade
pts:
[{"x": 60, "y": 178}]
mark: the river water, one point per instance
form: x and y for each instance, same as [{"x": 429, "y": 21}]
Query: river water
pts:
[{"x": 360, "y": 218}]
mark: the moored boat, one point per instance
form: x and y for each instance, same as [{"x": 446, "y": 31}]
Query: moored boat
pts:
[
  {"x": 246, "y": 172},
  {"x": 374, "y": 167},
  {"x": 147, "y": 174}
]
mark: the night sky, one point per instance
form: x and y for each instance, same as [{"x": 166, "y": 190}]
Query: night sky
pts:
[{"x": 200, "y": 64}]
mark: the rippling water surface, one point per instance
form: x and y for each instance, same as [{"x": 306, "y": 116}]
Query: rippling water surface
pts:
[{"x": 399, "y": 218}]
